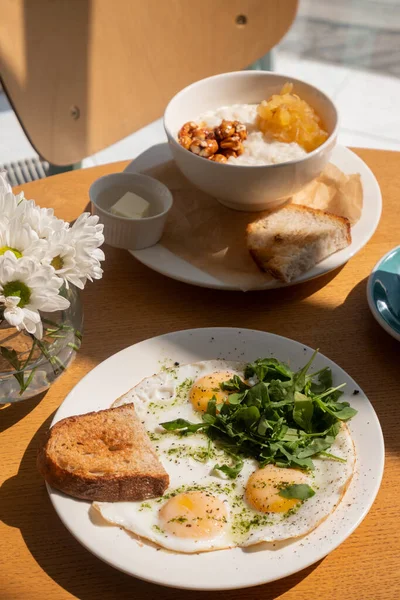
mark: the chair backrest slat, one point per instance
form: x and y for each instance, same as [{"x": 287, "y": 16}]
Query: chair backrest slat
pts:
[{"x": 83, "y": 74}]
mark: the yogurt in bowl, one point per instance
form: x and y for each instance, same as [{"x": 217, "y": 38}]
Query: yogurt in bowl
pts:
[
  {"x": 266, "y": 173},
  {"x": 258, "y": 149}
]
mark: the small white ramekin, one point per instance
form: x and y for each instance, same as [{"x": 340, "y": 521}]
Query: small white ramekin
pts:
[{"x": 121, "y": 232}]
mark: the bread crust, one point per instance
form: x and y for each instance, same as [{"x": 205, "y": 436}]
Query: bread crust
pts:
[
  {"x": 263, "y": 256},
  {"x": 305, "y": 209},
  {"x": 108, "y": 487}
]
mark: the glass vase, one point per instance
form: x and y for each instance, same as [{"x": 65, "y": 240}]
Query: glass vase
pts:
[{"x": 28, "y": 366}]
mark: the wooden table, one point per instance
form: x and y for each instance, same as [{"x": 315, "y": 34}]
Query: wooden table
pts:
[{"x": 39, "y": 559}]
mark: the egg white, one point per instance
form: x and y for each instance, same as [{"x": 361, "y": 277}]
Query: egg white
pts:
[{"x": 190, "y": 460}]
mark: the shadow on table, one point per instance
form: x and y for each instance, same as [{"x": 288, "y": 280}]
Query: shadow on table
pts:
[
  {"x": 74, "y": 568},
  {"x": 17, "y": 411}
]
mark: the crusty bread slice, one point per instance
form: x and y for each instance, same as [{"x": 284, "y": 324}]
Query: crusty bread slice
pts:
[
  {"x": 291, "y": 240},
  {"x": 105, "y": 456}
]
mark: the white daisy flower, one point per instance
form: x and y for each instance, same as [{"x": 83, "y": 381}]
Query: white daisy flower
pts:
[
  {"x": 10, "y": 205},
  {"x": 60, "y": 254},
  {"x": 5, "y": 187},
  {"x": 42, "y": 220},
  {"x": 18, "y": 237},
  {"x": 75, "y": 253},
  {"x": 27, "y": 287}
]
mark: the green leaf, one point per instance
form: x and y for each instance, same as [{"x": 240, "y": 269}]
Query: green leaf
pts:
[
  {"x": 231, "y": 472},
  {"x": 258, "y": 395},
  {"x": 208, "y": 419},
  {"x": 236, "y": 398},
  {"x": 250, "y": 414},
  {"x": 293, "y": 460},
  {"x": 182, "y": 425},
  {"x": 235, "y": 384},
  {"x": 263, "y": 425},
  {"x": 333, "y": 457},
  {"x": 303, "y": 411},
  {"x": 324, "y": 381},
  {"x": 315, "y": 447},
  {"x": 299, "y": 378},
  {"x": 298, "y": 491},
  {"x": 212, "y": 407},
  {"x": 345, "y": 414},
  {"x": 267, "y": 368}
]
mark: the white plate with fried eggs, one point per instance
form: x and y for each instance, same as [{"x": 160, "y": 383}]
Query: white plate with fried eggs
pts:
[{"x": 172, "y": 374}]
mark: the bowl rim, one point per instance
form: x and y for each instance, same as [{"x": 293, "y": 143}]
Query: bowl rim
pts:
[
  {"x": 251, "y": 73},
  {"x": 145, "y": 178}
]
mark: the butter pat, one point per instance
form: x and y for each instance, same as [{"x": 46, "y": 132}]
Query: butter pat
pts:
[{"x": 131, "y": 206}]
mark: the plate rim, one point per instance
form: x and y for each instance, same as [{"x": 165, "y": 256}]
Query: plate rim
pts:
[
  {"x": 53, "y": 494},
  {"x": 370, "y": 298},
  {"x": 214, "y": 283}
]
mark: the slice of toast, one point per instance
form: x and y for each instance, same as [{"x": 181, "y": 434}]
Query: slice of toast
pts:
[
  {"x": 105, "y": 456},
  {"x": 291, "y": 240}
]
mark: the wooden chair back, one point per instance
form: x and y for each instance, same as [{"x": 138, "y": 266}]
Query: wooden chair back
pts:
[{"x": 83, "y": 74}]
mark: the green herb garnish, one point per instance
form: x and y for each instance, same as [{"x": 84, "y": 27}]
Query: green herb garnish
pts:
[
  {"x": 299, "y": 491},
  {"x": 286, "y": 418}
]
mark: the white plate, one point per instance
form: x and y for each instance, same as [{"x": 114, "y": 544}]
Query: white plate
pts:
[
  {"x": 165, "y": 262},
  {"x": 223, "y": 569}
]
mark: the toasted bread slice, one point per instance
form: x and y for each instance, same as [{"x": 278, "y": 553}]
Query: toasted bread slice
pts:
[
  {"x": 291, "y": 240},
  {"x": 105, "y": 456}
]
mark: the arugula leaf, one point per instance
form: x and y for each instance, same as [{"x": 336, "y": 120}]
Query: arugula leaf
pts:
[
  {"x": 285, "y": 419},
  {"x": 263, "y": 425},
  {"x": 344, "y": 413},
  {"x": 257, "y": 395},
  {"x": 231, "y": 472},
  {"x": 315, "y": 447},
  {"x": 303, "y": 411},
  {"x": 236, "y": 398},
  {"x": 299, "y": 491},
  {"x": 182, "y": 426},
  {"x": 267, "y": 368},
  {"x": 299, "y": 378},
  {"x": 249, "y": 414},
  {"x": 333, "y": 457},
  {"x": 324, "y": 381},
  {"x": 235, "y": 384}
]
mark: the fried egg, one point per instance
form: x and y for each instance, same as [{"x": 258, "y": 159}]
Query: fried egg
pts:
[{"x": 202, "y": 510}]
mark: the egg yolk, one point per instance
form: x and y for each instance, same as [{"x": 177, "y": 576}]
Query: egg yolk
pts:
[
  {"x": 205, "y": 388},
  {"x": 193, "y": 515},
  {"x": 263, "y": 486}
]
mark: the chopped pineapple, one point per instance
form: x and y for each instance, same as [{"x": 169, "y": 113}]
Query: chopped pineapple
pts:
[{"x": 287, "y": 118}]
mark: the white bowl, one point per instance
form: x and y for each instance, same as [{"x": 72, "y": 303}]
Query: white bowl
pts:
[
  {"x": 244, "y": 187},
  {"x": 131, "y": 234}
]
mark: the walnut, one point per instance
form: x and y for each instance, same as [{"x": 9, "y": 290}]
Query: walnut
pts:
[
  {"x": 241, "y": 130},
  {"x": 232, "y": 143},
  {"x": 228, "y": 153},
  {"x": 187, "y": 130},
  {"x": 185, "y": 141},
  {"x": 190, "y": 132},
  {"x": 227, "y": 129},
  {"x": 203, "y": 133},
  {"x": 220, "y": 158},
  {"x": 204, "y": 148},
  {"x": 223, "y": 141}
]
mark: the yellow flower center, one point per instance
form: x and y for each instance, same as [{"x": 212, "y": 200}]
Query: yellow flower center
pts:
[
  {"x": 18, "y": 288},
  {"x": 57, "y": 263},
  {"x": 16, "y": 252}
]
